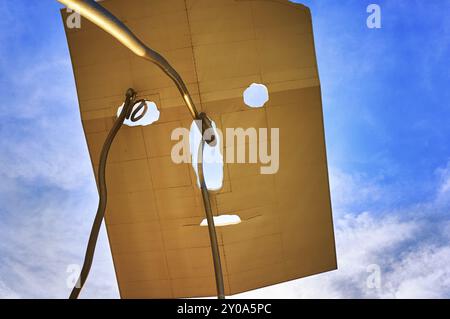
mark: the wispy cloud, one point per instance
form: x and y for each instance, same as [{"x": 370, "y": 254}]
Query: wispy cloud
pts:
[
  {"x": 443, "y": 194},
  {"x": 48, "y": 194}
]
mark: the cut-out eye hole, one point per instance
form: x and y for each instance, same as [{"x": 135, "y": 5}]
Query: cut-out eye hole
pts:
[
  {"x": 223, "y": 220},
  {"x": 143, "y": 113},
  {"x": 256, "y": 95}
]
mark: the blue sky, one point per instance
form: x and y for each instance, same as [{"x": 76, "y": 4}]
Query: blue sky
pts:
[{"x": 385, "y": 97}]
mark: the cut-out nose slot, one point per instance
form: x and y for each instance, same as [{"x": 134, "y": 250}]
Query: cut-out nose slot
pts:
[
  {"x": 223, "y": 220},
  {"x": 143, "y": 113},
  {"x": 212, "y": 158},
  {"x": 256, "y": 95}
]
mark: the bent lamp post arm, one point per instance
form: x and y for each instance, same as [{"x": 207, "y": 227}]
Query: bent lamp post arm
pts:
[
  {"x": 104, "y": 19},
  {"x": 101, "y": 17}
]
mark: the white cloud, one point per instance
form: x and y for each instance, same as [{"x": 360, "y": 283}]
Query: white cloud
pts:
[
  {"x": 362, "y": 240},
  {"x": 424, "y": 273},
  {"x": 49, "y": 199},
  {"x": 42, "y": 139},
  {"x": 413, "y": 253},
  {"x": 443, "y": 194},
  {"x": 352, "y": 189},
  {"x": 44, "y": 236},
  {"x": 6, "y": 293}
]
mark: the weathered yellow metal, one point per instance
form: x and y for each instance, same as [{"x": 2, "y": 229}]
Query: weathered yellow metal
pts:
[{"x": 219, "y": 48}]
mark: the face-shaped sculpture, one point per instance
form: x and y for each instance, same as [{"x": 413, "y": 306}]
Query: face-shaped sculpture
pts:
[{"x": 221, "y": 48}]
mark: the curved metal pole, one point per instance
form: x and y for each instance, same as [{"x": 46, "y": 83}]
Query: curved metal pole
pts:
[
  {"x": 103, "y": 193},
  {"x": 211, "y": 226},
  {"x": 104, "y": 19}
]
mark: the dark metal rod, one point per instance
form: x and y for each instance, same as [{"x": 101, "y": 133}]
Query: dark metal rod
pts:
[
  {"x": 211, "y": 226},
  {"x": 103, "y": 194}
]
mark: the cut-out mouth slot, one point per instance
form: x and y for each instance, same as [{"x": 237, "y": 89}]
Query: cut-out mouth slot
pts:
[{"x": 223, "y": 220}]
